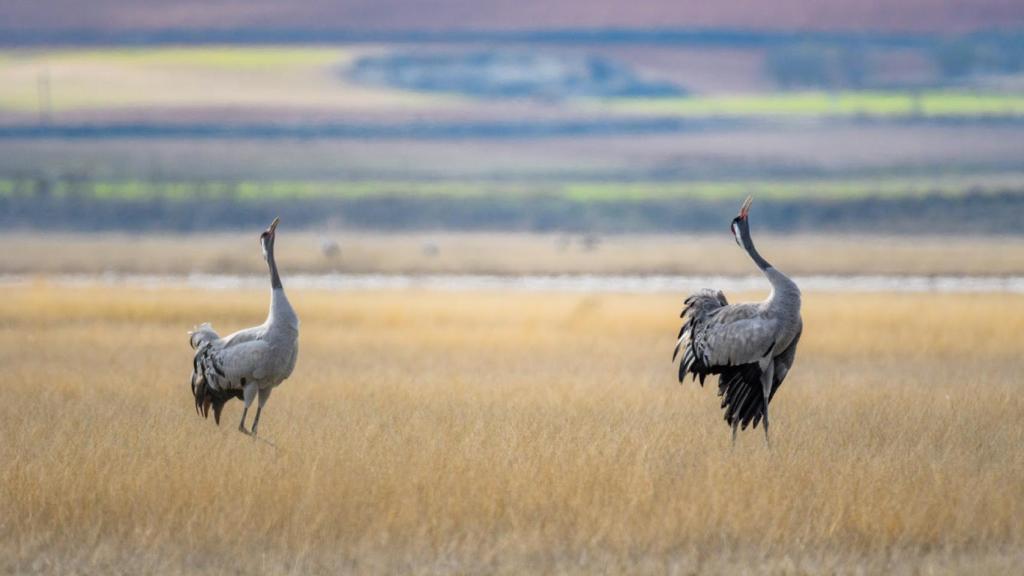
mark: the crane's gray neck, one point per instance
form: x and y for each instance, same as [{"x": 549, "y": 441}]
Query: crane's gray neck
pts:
[
  {"x": 281, "y": 314},
  {"x": 748, "y": 245},
  {"x": 784, "y": 291},
  {"x": 268, "y": 253}
]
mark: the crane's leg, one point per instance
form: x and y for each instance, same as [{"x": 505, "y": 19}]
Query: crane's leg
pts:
[
  {"x": 264, "y": 395},
  {"x": 767, "y": 379},
  {"x": 248, "y": 394}
]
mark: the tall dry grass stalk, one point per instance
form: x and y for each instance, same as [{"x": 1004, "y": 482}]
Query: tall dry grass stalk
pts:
[{"x": 498, "y": 433}]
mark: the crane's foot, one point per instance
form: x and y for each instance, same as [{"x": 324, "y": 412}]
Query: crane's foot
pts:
[
  {"x": 767, "y": 438},
  {"x": 242, "y": 429},
  {"x": 259, "y": 410}
]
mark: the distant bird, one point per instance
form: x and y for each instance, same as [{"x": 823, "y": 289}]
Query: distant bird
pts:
[
  {"x": 329, "y": 248},
  {"x": 590, "y": 242},
  {"x": 430, "y": 250},
  {"x": 750, "y": 346},
  {"x": 249, "y": 362}
]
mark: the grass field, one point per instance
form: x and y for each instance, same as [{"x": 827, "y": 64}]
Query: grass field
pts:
[
  {"x": 587, "y": 191},
  {"x": 886, "y": 104},
  {"x": 188, "y": 77},
  {"x": 499, "y": 433},
  {"x": 276, "y": 78},
  {"x": 32, "y": 253},
  {"x": 863, "y": 153}
]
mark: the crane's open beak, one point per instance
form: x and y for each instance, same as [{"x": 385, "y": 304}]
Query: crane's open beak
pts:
[
  {"x": 273, "y": 225},
  {"x": 745, "y": 209}
]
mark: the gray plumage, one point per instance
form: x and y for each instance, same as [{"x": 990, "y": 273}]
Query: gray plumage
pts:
[
  {"x": 750, "y": 346},
  {"x": 250, "y": 362}
]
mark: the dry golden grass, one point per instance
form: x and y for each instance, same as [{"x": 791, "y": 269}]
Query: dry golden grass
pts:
[
  {"x": 505, "y": 253},
  {"x": 497, "y": 433}
]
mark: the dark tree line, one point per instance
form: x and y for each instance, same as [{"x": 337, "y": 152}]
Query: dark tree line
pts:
[
  {"x": 851, "y": 64},
  {"x": 977, "y": 212},
  {"x": 817, "y": 66}
]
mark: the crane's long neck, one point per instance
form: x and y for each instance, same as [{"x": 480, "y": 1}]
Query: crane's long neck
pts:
[
  {"x": 748, "y": 245},
  {"x": 281, "y": 312},
  {"x": 275, "y": 278},
  {"x": 784, "y": 291}
]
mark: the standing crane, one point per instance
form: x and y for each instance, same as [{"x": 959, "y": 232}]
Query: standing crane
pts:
[
  {"x": 750, "y": 346},
  {"x": 250, "y": 362}
]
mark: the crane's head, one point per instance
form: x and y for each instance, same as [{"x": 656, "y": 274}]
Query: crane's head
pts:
[
  {"x": 267, "y": 238},
  {"x": 740, "y": 227}
]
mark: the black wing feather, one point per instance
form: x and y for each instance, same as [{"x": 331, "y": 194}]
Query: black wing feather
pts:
[{"x": 738, "y": 386}]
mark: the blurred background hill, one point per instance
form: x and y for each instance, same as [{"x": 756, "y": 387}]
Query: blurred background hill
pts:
[
  {"x": 447, "y": 15},
  {"x": 592, "y": 117}
]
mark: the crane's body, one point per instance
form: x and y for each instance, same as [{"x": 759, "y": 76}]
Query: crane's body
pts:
[
  {"x": 250, "y": 362},
  {"x": 750, "y": 346}
]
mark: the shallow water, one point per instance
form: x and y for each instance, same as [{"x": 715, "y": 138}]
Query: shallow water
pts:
[{"x": 537, "y": 283}]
